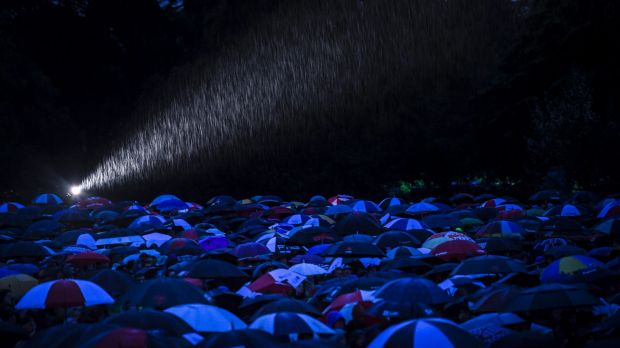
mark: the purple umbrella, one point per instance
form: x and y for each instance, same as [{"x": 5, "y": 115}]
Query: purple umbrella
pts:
[{"x": 251, "y": 249}]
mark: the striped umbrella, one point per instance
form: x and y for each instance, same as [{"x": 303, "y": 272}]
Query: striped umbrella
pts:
[
  {"x": 501, "y": 229},
  {"x": 429, "y": 332},
  {"x": 568, "y": 268},
  {"x": 442, "y": 237},
  {"x": 219, "y": 319},
  {"x": 47, "y": 199},
  {"x": 284, "y": 324},
  {"x": 388, "y": 202},
  {"x": 64, "y": 293},
  {"x": 564, "y": 210},
  {"x": 365, "y": 206},
  {"x": 10, "y": 207},
  {"x": 492, "y": 203},
  {"x": 610, "y": 209},
  {"x": 339, "y": 199}
]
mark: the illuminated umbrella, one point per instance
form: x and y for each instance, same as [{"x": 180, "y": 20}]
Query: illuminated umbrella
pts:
[
  {"x": 172, "y": 205},
  {"x": 611, "y": 209},
  {"x": 213, "y": 243},
  {"x": 162, "y": 198},
  {"x": 422, "y": 208},
  {"x": 358, "y": 296},
  {"x": 17, "y": 284},
  {"x": 609, "y": 227},
  {"x": 492, "y": 203},
  {"x": 64, "y": 293},
  {"x": 338, "y": 209},
  {"x": 427, "y": 332},
  {"x": 389, "y": 202},
  {"x": 181, "y": 246},
  {"x": 569, "y": 268},
  {"x": 565, "y": 210},
  {"x": 279, "y": 281},
  {"x": 196, "y": 314},
  {"x": 146, "y": 222}
]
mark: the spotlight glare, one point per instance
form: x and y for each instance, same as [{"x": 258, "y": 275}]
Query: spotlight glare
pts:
[{"x": 76, "y": 190}]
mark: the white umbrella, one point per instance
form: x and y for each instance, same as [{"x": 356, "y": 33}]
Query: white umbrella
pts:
[
  {"x": 287, "y": 323},
  {"x": 492, "y": 319},
  {"x": 307, "y": 269},
  {"x": 207, "y": 318}
]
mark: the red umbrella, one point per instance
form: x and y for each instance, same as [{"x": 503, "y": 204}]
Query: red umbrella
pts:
[
  {"x": 358, "y": 296},
  {"x": 94, "y": 202},
  {"x": 457, "y": 249},
  {"x": 266, "y": 284},
  {"x": 88, "y": 258}
]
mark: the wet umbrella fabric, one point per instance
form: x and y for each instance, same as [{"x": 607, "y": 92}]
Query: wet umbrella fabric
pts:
[
  {"x": 150, "y": 320},
  {"x": 568, "y": 268},
  {"x": 551, "y": 296},
  {"x": 207, "y": 318},
  {"x": 215, "y": 269},
  {"x": 163, "y": 293},
  {"x": 247, "y": 338},
  {"x": 113, "y": 282},
  {"x": 429, "y": 332},
  {"x": 489, "y": 264},
  {"x": 64, "y": 293},
  {"x": 284, "y": 324},
  {"x": 412, "y": 289}
]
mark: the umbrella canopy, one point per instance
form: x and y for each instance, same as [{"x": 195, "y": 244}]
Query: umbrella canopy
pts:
[
  {"x": 25, "y": 250},
  {"x": 43, "y": 229},
  {"x": 279, "y": 281},
  {"x": 219, "y": 319},
  {"x": 494, "y": 299},
  {"x": 565, "y": 210},
  {"x": 10, "y": 207},
  {"x": 284, "y": 324},
  {"x": 358, "y": 222},
  {"x": 609, "y": 227},
  {"x": 88, "y": 258},
  {"x": 442, "y": 221},
  {"x": 500, "y": 229},
  {"x": 161, "y": 198},
  {"x": 551, "y": 296},
  {"x": 358, "y": 296},
  {"x": 163, "y": 293},
  {"x": 17, "y": 284},
  {"x": 307, "y": 269},
  {"x": 412, "y": 289},
  {"x": 339, "y": 199},
  {"x": 611, "y": 209},
  {"x": 250, "y": 250},
  {"x": 393, "y": 239},
  {"x": 392, "y": 201},
  {"x": 364, "y": 206},
  {"x": 569, "y": 268},
  {"x": 145, "y": 222},
  {"x": 353, "y": 249},
  {"x": 421, "y": 208},
  {"x": 47, "y": 199},
  {"x": 248, "y": 338},
  {"x": 404, "y": 224},
  {"x": 431, "y": 332},
  {"x": 492, "y": 319},
  {"x": 309, "y": 236},
  {"x": 125, "y": 338},
  {"x": 64, "y": 293},
  {"x": 181, "y": 246},
  {"x": 457, "y": 249},
  {"x": 403, "y": 252},
  {"x": 213, "y": 243},
  {"x": 113, "y": 282},
  {"x": 442, "y": 237},
  {"x": 489, "y": 264},
  {"x": 399, "y": 311},
  {"x": 150, "y": 320}
]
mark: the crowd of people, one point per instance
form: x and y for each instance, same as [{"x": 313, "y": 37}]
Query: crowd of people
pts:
[{"x": 458, "y": 271}]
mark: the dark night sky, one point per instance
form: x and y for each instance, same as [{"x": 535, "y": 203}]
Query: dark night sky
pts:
[{"x": 331, "y": 95}]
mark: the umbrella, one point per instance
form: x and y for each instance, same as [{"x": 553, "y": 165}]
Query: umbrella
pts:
[
  {"x": 609, "y": 227},
  {"x": 338, "y": 209},
  {"x": 125, "y": 338},
  {"x": 10, "y": 207},
  {"x": 393, "y": 239},
  {"x": 611, "y": 209},
  {"x": 43, "y": 229},
  {"x": 569, "y": 268},
  {"x": 73, "y": 217},
  {"x": 339, "y": 199},
  {"x": 403, "y": 251},
  {"x": 113, "y": 282},
  {"x": 213, "y": 243},
  {"x": 25, "y": 250},
  {"x": 162, "y": 293},
  {"x": 405, "y": 264},
  {"x": 565, "y": 210},
  {"x": 172, "y": 205},
  {"x": 358, "y": 296},
  {"x": 421, "y": 208},
  {"x": 161, "y": 198},
  {"x": 17, "y": 284},
  {"x": 492, "y": 319},
  {"x": 404, "y": 224},
  {"x": 146, "y": 222},
  {"x": 412, "y": 289},
  {"x": 64, "y": 293},
  {"x": 427, "y": 332},
  {"x": 287, "y": 305},
  {"x": 219, "y": 320},
  {"x": 551, "y": 296},
  {"x": 247, "y": 338},
  {"x": 25, "y": 268},
  {"x": 311, "y": 235},
  {"x": 47, "y": 199},
  {"x": 489, "y": 264},
  {"x": 493, "y": 299},
  {"x": 150, "y": 320},
  {"x": 357, "y": 222},
  {"x": 501, "y": 245},
  {"x": 250, "y": 250},
  {"x": 279, "y": 281},
  {"x": 457, "y": 249},
  {"x": 181, "y": 246},
  {"x": 155, "y": 238},
  {"x": 442, "y": 221},
  {"x": 501, "y": 229},
  {"x": 442, "y": 237},
  {"x": 492, "y": 203},
  {"x": 87, "y": 258},
  {"x": 313, "y": 259},
  {"x": 284, "y": 324},
  {"x": 215, "y": 269},
  {"x": 307, "y": 269},
  {"x": 392, "y": 201}
]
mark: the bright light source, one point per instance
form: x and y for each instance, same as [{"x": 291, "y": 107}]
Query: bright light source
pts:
[{"x": 76, "y": 190}]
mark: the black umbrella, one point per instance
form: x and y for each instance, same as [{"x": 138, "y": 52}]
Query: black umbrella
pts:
[
  {"x": 410, "y": 265},
  {"x": 25, "y": 250},
  {"x": 163, "y": 293},
  {"x": 248, "y": 338},
  {"x": 11, "y": 333},
  {"x": 501, "y": 245},
  {"x": 252, "y": 304},
  {"x": 353, "y": 249},
  {"x": 13, "y": 220},
  {"x": 358, "y": 222},
  {"x": 552, "y": 296},
  {"x": 66, "y": 335},
  {"x": 266, "y": 267},
  {"x": 71, "y": 237},
  {"x": 113, "y": 282},
  {"x": 489, "y": 264},
  {"x": 393, "y": 239},
  {"x": 167, "y": 324},
  {"x": 399, "y": 311},
  {"x": 312, "y": 235},
  {"x": 561, "y": 251},
  {"x": 525, "y": 339},
  {"x": 442, "y": 221},
  {"x": 118, "y": 253},
  {"x": 412, "y": 289},
  {"x": 43, "y": 229},
  {"x": 286, "y": 305}
]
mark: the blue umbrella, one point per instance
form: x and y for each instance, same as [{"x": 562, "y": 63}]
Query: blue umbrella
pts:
[
  {"x": 162, "y": 198},
  {"x": 47, "y": 199},
  {"x": 430, "y": 332},
  {"x": 412, "y": 289},
  {"x": 172, "y": 205},
  {"x": 364, "y": 206}
]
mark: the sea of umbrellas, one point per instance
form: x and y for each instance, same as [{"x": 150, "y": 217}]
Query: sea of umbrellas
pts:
[{"x": 457, "y": 271}]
